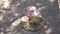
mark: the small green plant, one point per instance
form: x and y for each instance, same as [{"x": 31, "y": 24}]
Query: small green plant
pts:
[{"x": 33, "y": 20}]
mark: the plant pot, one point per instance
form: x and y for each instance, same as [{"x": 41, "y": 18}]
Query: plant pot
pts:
[{"x": 34, "y": 26}]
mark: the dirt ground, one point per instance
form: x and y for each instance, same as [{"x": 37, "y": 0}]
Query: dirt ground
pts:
[{"x": 12, "y": 10}]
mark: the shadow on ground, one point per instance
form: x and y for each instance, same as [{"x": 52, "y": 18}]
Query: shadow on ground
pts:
[{"x": 49, "y": 10}]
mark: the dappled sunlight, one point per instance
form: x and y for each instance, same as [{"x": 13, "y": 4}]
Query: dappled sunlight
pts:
[
  {"x": 11, "y": 11},
  {"x": 45, "y": 26},
  {"x": 5, "y": 3},
  {"x": 1, "y": 31},
  {"x": 15, "y": 23},
  {"x": 51, "y": 1},
  {"x": 48, "y": 28},
  {"x": 43, "y": 7},
  {"x": 18, "y": 4},
  {"x": 1, "y": 3},
  {"x": 1, "y": 17},
  {"x": 48, "y": 31},
  {"x": 13, "y": 26},
  {"x": 16, "y": 14},
  {"x": 10, "y": 18},
  {"x": 38, "y": 4},
  {"x": 2, "y": 13},
  {"x": 13, "y": 8},
  {"x": 59, "y": 4}
]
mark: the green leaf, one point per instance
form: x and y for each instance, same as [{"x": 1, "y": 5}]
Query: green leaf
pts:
[{"x": 34, "y": 20}]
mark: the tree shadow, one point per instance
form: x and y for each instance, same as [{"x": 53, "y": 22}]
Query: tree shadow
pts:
[{"x": 49, "y": 11}]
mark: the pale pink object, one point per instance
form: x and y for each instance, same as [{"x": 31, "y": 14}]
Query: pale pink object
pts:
[{"x": 31, "y": 8}]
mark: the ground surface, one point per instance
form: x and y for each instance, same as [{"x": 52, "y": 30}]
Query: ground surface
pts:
[{"x": 11, "y": 11}]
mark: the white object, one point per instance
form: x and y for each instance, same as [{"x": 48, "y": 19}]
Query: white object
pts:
[
  {"x": 36, "y": 13},
  {"x": 31, "y": 8}
]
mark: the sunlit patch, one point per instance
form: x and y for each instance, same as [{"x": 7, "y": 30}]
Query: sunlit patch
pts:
[
  {"x": 48, "y": 31},
  {"x": 6, "y": 3},
  {"x": 47, "y": 22},
  {"x": 1, "y": 3},
  {"x": 2, "y": 32},
  {"x": 16, "y": 14},
  {"x": 45, "y": 26},
  {"x": 7, "y": 29},
  {"x": 18, "y": 3},
  {"x": 13, "y": 8},
  {"x": 38, "y": 4},
  {"x": 43, "y": 7},
  {"x": 1, "y": 28},
  {"x": 51, "y": 0},
  {"x": 1, "y": 17},
  {"x": 4, "y": 0},
  {"x": 15, "y": 23},
  {"x": 59, "y": 4},
  {"x": 38, "y": 9},
  {"x": 4, "y": 11}
]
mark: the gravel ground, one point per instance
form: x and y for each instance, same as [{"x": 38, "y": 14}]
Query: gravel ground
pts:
[{"x": 11, "y": 11}]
